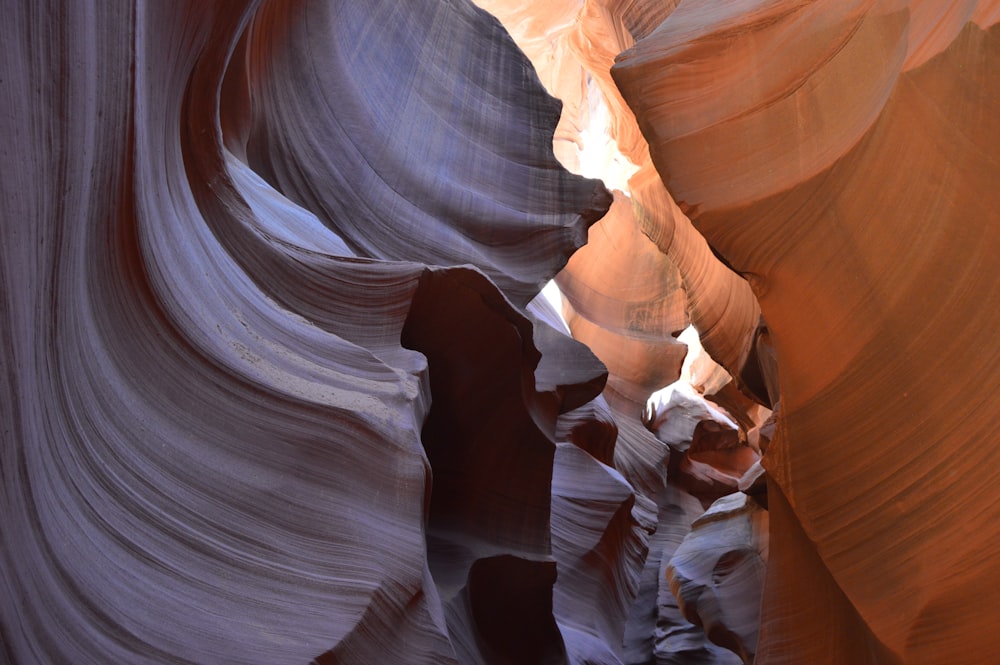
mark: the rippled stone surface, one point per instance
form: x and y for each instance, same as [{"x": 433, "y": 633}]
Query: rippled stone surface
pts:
[
  {"x": 717, "y": 573},
  {"x": 844, "y": 156},
  {"x": 219, "y": 226},
  {"x": 278, "y": 388}
]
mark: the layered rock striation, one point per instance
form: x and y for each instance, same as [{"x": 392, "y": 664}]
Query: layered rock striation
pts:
[
  {"x": 844, "y": 156},
  {"x": 278, "y": 385},
  {"x": 232, "y": 413}
]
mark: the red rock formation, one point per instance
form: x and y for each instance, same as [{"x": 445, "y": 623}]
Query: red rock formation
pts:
[
  {"x": 573, "y": 45},
  {"x": 644, "y": 275},
  {"x": 844, "y": 156},
  {"x": 625, "y": 301},
  {"x": 276, "y": 388}
]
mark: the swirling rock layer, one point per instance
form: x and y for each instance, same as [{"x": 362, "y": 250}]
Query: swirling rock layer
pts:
[
  {"x": 212, "y": 446},
  {"x": 853, "y": 179},
  {"x": 276, "y": 386}
]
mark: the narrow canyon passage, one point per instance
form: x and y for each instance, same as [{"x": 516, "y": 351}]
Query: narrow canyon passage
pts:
[{"x": 448, "y": 332}]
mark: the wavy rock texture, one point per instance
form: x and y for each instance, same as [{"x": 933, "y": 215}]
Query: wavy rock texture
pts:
[
  {"x": 657, "y": 632},
  {"x": 845, "y": 156},
  {"x": 624, "y": 299},
  {"x": 212, "y": 448},
  {"x": 277, "y": 386},
  {"x": 717, "y": 573},
  {"x": 643, "y": 277},
  {"x": 599, "y": 524},
  {"x": 573, "y": 45},
  {"x": 369, "y": 121},
  {"x": 707, "y": 456},
  {"x": 698, "y": 437}
]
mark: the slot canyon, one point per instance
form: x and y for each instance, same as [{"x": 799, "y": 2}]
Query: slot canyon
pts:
[{"x": 440, "y": 332}]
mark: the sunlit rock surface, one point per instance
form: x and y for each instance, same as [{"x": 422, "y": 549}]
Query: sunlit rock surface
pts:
[
  {"x": 279, "y": 387},
  {"x": 845, "y": 157},
  {"x": 573, "y": 45},
  {"x": 624, "y": 299}
]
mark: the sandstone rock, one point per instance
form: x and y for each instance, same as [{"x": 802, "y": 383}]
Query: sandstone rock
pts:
[
  {"x": 599, "y": 547},
  {"x": 812, "y": 151},
  {"x": 212, "y": 441},
  {"x": 275, "y": 390},
  {"x": 420, "y": 130},
  {"x": 717, "y": 572},
  {"x": 657, "y": 633}
]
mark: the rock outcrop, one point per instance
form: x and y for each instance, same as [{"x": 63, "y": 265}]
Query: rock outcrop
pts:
[
  {"x": 844, "y": 157},
  {"x": 251, "y": 410},
  {"x": 278, "y": 384}
]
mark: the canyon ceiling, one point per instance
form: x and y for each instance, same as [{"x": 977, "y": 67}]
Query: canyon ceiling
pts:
[{"x": 279, "y": 385}]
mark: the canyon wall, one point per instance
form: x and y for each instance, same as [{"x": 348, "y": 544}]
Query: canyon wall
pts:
[{"x": 278, "y": 384}]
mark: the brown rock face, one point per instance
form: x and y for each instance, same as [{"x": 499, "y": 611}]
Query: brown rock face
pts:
[
  {"x": 845, "y": 157},
  {"x": 277, "y": 385}
]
